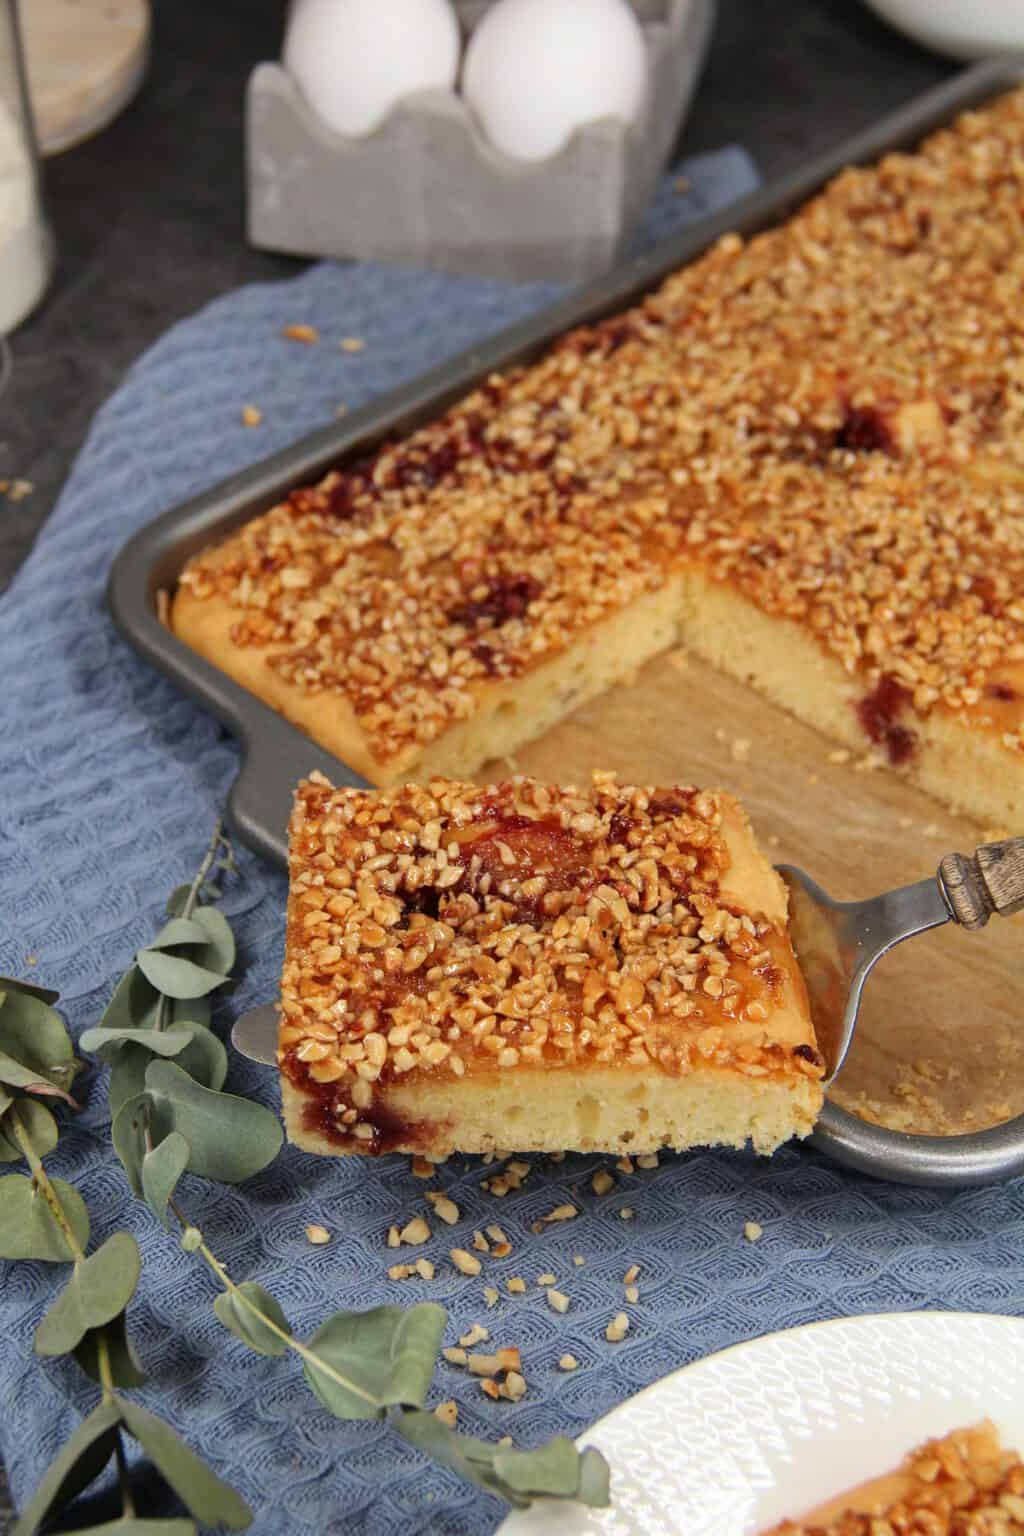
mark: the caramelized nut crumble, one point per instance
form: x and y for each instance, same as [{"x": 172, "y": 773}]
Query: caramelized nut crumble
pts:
[{"x": 449, "y": 933}]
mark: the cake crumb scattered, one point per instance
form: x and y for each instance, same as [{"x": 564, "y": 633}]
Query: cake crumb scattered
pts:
[
  {"x": 393, "y": 1238},
  {"x": 400, "y": 1271},
  {"x": 740, "y": 749},
  {"x": 305, "y": 333},
  {"x": 560, "y": 1213},
  {"x": 647, "y": 1160},
  {"x": 625, "y": 1164},
  {"x": 414, "y": 1232},
  {"x": 626, "y": 1213},
  {"x": 557, "y": 1301},
  {"x": 501, "y": 1250},
  {"x": 490, "y": 1388},
  {"x": 514, "y": 1386},
  {"x": 632, "y": 1293},
  {"x": 547, "y": 1279},
  {"x": 480, "y": 1243},
  {"x": 448, "y": 1413},
  {"x": 617, "y": 1329},
  {"x": 425, "y": 1269},
  {"x": 317, "y": 1235},
  {"x": 602, "y": 1182},
  {"x": 17, "y": 490},
  {"x": 931, "y": 830},
  {"x": 568, "y": 1363},
  {"x": 632, "y": 1274},
  {"x": 753, "y": 1231},
  {"x": 465, "y": 1263},
  {"x": 516, "y": 1286},
  {"x": 251, "y": 415},
  {"x": 421, "y": 1169},
  {"x": 578, "y": 1260},
  {"x": 477, "y": 1334},
  {"x": 455, "y": 1356},
  {"x": 351, "y": 344},
  {"x": 839, "y": 756},
  {"x": 905, "y": 822},
  {"x": 444, "y": 1208},
  {"x": 491, "y": 1295},
  {"x": 495, "y": 1233}
]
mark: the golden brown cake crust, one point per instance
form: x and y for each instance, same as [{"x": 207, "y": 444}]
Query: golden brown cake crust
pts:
[
  {"x": 451, "y": 934},
  {"x": 826, "y": 421},
  {"x": 960, "y": 1485}
]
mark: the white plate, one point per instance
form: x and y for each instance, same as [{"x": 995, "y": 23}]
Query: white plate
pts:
[{"x": 735, "y": 1443}]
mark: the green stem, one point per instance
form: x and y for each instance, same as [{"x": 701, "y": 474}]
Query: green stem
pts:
[
  {"x": 127, "y": 1502},
  {"x": 163, "y": 1006},
  {"x": 45, "y": 1188},
  {"x": 242, "y": 1300}
]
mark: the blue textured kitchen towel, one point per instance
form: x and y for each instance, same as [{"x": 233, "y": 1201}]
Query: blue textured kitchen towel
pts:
[{"x": 110, "y": 781}]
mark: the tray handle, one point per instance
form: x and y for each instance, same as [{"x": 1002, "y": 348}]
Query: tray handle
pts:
[{"x": 275, "y": 756}]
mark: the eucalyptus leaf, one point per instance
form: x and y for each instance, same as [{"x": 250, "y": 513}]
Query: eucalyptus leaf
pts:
[
  {"x": 15, "y": 1075},
  {"x": 6, "y": 1100},
  {"x": 128, "y": 1134},
  {"x": 472, "y": 1459},
  {"x": 203, "y": 1493},
  {"x": 245, "y": 1325},
  {"x": 179, "y": 930},
  {"x": 39, "y": 1125},
  {"x": 135, "y": 1003},
  {"x": 220, "y": 953},
  {"x": 28, "y": 1229},
  {"x": 205, "y": 1060},
  {"x": 386, "y": 1357},
  {"x": 161, "y": 1170},
  {"x": 127, "y": 1076},
  {"x": 79, "y": 1462},
  {"x": 35, "y": 1034},
  {"x": 125, "y": 1370},
  {"x": 553, "y": 1471},
  {"x": 229, "y": 1138},
  {"x": 177, "y": 977},
  {"x": 132, "y": 1525},
  {"x": 177, "y": 899},
  {"x": 16, "y": 984},
  {"x": 162, "y": 1042},
  {"x": 99, "y": 1290}
]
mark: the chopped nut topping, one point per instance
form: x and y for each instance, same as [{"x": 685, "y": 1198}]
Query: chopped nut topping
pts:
[
  {"x": 444, "y": 1208},
  {"x": 465, "y": 1263},
  {"x": 578, "y": 1259},
  {"x": 414, "y": 1232},
  {"x": 351, "y": 344},
  {"x": 626, "y": 1213},
  {"x": 557, "y": 1301},
  {"x": 251, "y": 415},
  {"x": 490, "y": 1388},
  {"x": 317, "y": 1235},
  {"x": 753, "y": 1231},
  {"x": 514, "y": 1386},
  {"x": 632, "y": 1273},
  {"x": 602, "y": 1182},
  {"x": 547, "y": 1279},
  {"x": 561, "y": 1213},
  {"x": 490, "y": 1295},
  {"x": 647, "y": 1160},
  {"x": 516, "y": 1286},
  {"x": 480, "y": 1243},
  {"x": 625, "y": 1165},
  {"x": 632, "y": 1293},
  {"x": 455, "y": 1356},
  {"x": 476, "y": 1335},
  {"x": 495, "y": 1234},
  {"x": 394, "y": 1241},
  {"x": 448, "y": 1413},
  {"x": 422, "y": 1169},
  {"x": 568, "y": 1363},
  {"x": 617, "y": 1329},
  {"x": 425, "y": 1269},
  {"x": 400, "y": 1271}
]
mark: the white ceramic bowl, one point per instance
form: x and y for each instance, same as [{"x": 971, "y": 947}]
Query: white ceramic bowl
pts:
[{"x": 964, "y": 29}]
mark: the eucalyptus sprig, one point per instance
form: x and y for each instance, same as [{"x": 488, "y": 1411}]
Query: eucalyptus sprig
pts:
[
  {"x": 170, "y": 1116},
  {"x": 45, "y": 1219}
]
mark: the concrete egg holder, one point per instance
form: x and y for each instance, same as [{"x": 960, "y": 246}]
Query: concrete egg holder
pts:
[{"x": 427, "y": 188}]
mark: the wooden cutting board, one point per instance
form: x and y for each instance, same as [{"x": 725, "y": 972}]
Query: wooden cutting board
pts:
[
  {"x": 86, "y": 60},
  {"x": 940, "y": 1043}
]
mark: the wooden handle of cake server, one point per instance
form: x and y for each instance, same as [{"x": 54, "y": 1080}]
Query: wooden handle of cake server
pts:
[{"x": 987, "y": 881}]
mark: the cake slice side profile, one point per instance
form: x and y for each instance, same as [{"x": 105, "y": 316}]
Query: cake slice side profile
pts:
[{"x": 469, "y": 968}]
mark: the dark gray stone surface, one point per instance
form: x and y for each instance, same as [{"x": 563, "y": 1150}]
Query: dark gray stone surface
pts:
[{"x": 149, "y": 216}]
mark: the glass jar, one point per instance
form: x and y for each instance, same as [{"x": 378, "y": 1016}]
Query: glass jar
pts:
[{"x": 26, "y": 247}]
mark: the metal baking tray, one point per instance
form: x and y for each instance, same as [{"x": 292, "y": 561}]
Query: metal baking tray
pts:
[{"x": 275, "y": 754}]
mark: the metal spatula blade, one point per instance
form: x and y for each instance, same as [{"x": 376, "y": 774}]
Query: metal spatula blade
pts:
[{"x": 838, "y": 942}]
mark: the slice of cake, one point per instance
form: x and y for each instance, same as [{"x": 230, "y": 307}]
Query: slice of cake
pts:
[
  {"x": 524, "y": 966},
  {"x": 961, "y": 1485},
  {"x": 803, "y": 456}
]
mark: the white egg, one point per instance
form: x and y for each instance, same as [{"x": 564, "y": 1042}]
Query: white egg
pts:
[
  {"x": 354, "y": 59},
  {"x": 538, "y": 69}
]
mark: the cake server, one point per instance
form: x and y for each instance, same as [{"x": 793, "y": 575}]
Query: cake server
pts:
[{"x": 838, "y": 943}]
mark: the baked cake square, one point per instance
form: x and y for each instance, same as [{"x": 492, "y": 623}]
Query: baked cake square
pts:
[{"x": 521, "y": 966}]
